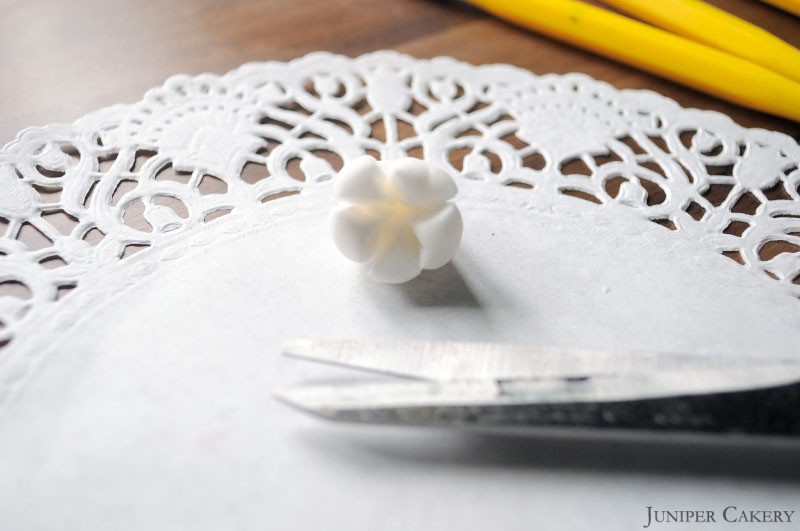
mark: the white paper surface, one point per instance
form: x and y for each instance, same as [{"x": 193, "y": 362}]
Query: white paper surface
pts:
[{"x": 156, "y": 411}]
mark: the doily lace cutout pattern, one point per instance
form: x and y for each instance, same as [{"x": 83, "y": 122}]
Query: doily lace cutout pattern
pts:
[{"x": 77, "y": 199}]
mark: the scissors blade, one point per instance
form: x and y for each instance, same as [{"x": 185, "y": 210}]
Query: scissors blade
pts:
[
  {"x": 763, "y": 399},
  {"x": 449, "y": 361}
]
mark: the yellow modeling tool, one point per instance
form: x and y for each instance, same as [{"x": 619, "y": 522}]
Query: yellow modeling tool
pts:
[
  {"x": 657, "y": 51},
  {"x": 705, "y": 23},
  {"x": 792, "y": 6}
]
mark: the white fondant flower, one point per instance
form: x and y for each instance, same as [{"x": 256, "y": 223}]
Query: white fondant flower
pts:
[{"x": 395, "y": 216}]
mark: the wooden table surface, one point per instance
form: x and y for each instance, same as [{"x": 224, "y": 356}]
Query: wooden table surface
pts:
[{"x": 61, "y": 60}]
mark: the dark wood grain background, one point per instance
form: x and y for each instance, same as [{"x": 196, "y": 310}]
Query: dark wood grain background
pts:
[{"x": 61, "y": 60}]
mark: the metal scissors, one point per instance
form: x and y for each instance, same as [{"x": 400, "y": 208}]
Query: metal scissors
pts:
[{"x": 502, "y": 386}]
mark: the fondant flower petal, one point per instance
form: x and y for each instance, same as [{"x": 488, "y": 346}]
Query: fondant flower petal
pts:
[
  {"x": 442, "y": 185},
  {"x": 398, "y": 262},
  {"x": 439, "y": 235},
  {"x": 417, "y": 184},
  {"x": 355, "y": 231},
  {"x": 360, "y": 180}
]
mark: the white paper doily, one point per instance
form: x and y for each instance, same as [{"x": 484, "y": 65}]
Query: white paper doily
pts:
[{"x": 593, "y": 217}]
